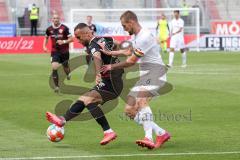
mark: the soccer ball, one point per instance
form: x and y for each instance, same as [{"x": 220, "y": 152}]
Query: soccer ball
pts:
[{"x": 55, "y": 133}]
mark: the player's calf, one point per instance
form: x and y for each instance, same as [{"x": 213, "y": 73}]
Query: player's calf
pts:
[{"x": 55, "y": 77}]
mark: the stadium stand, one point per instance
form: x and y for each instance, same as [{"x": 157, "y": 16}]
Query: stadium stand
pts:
[
  {"x": 213, "y": 9},
  {"x": 229, "y": 9},
  {"x": 82, "y": 4},
  {"x": 4, "y": 16},
  {"x": 209, "y": 10},
  {"x": 23, "y": 16},
  {"x": 55, "y": 6}
]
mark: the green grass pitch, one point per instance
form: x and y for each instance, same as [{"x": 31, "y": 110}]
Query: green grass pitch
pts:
[{"x": 206, "y": 95}]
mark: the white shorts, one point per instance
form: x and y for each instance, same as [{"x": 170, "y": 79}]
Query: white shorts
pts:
[
  {"x": 177, "y": 42},
  {"x": 151, "y": 82}
]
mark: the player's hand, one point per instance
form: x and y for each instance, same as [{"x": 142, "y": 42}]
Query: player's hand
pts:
[
  {"x": 60, "y": 42},
  {"x": 106, "y": 52},
  {"x": 102, "y": 45},
  {"x": 103, "y": 49},
  {"x": 98, "y": 78},
  {"x": 45, "y": 49},
  {"x": 106, "y": 68}
]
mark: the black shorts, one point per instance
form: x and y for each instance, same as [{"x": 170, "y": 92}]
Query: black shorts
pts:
[
  {"x": 109, "y": 89},
  {"x": 60, "y": 57}
]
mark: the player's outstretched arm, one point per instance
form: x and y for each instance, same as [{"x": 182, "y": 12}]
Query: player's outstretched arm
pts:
[
  {"x": 130, "y": 61},
  {"x": 117, "y": 53},
  {"x": 125, "y": 52}
]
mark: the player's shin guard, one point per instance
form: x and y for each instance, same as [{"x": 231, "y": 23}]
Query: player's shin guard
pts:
[
  {"x": 74, "y": 111},
  {"x": 98, "y": 115},
  {"x": 55, "y": 77}
]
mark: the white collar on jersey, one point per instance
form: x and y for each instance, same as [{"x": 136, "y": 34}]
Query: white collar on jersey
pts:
[
  {"x": 139, "y": 33},
  {"x": 55, "y": 27}
]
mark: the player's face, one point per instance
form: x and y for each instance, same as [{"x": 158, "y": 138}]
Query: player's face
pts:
[
  {"x": 89, "y": 19},
  {"x": 176, "y": 15},
  {"x": 127, "y": 26},
  {"x": 83, "y": 36},
  {"x": 163, "y": 16},
  {"x": 56, "y": 20}
]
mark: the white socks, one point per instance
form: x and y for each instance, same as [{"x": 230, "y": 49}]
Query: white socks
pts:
[
  {"x": 171, "y": 57},
  {"x": 145, "y": 117},
  {"x": 184, "y": 58},
  {"x": 108, "y": 131},
  {"x": 158, "y": 130}
]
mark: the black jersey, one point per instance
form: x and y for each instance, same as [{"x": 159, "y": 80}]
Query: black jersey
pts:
[
  {"x": 58, "y": 33},
  {"x": 93, "y": 27},
  {"x": 94, "y": 47}
]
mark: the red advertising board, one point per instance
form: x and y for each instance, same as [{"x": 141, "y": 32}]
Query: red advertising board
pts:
[
  {"x": 34, "y": 44},
  {"x": 24, "y": 44},
  {"x": 225, "y": 27}
]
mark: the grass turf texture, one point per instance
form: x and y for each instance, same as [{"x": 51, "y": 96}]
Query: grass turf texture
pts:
[{"x": 208, "y": 87}]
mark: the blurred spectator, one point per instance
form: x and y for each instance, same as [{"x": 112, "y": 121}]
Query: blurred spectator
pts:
[
  {"x": 33, "y": 16},
  {"x": 90, "y": 24},
  {"x": 185, "y": 13}
]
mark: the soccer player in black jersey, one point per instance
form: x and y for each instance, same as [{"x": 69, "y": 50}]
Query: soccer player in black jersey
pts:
[
  {"x": 108, "y": 86},
  {"x": 60, "y": 38}
]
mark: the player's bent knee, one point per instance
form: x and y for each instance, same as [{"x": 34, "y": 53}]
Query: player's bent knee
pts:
[
  {"x": 89, "y": 98},
  {"x": 86, "y": 100},
  {"x": 130, "y": 111},
  {"x": 55, "y": 65},
  {"x": 142, "y": 102}
]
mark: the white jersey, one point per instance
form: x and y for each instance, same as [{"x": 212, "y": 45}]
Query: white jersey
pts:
[
  {"x": 152, "y": 70},
  {"x": 146, "y": 42},
  {"x": 176, "y": 24}
]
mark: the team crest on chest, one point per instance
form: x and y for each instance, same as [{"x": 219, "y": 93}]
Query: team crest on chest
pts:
[{"x": 60, "y": 30}]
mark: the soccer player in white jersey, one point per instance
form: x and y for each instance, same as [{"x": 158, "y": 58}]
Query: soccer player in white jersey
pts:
[
  {"x": 144, "y": 51},
  {"x": 177, "y": 39}
]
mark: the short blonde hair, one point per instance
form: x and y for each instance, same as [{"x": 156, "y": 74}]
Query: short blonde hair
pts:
[{"x": 129, "y": 15}]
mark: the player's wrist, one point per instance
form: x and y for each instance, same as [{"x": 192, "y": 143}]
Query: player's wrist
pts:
[{"x": 64, "y": 42}]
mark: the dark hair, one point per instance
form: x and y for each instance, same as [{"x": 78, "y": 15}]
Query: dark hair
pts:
[
  {"x": 80, "y": 26},
  {"x": 129, "y": 15},
  {"x": 176, "y": 11}
]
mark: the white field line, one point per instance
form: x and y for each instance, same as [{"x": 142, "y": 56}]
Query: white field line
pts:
[{"x": 124, "y": 155}]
